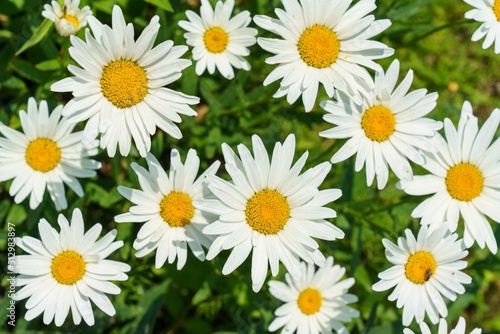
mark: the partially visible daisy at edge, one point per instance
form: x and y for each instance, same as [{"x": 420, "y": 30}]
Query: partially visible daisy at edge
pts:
[
  {"x": 443, "y": 328},
  {"x": 488, "y": 13},
  {"x": 464, "y": 179},
  {"x": 165, "y": 203},
  {"x": 323, "y": 42},
  {"x": 317, "y": 303},
  {"x": 386, "y": 129},
  {"x": 425, "y": 270},
  {"x": 46, "y": 156},
  {"x": 119, "y": 89},
  {"x": 69, "y": 18},
  {"x": 270, "y": 210},
  {"x": 219, "y": 41},
  {"x": 66, "y": 271}
]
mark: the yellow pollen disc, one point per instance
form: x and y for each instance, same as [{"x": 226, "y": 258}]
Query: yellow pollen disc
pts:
[
  {"x": 68, "y": 267},
  {"x": 378, "y": 123},
  {"x": 216, "y": 39},
  {"x": 420, "y": 267},
  {"x": 73, "y": 20},
  {"x": 43, "y": 154},
  {"x": 124, "y": 83},
  {"x": 176, "y": 209},
  {"x": 464, "y": 182},
  {"x": 496, "y": 9},
  {"x": 309, "y": 301},
  {"x": 318, "y": 46},
  {"x": 267, "y": 211}
]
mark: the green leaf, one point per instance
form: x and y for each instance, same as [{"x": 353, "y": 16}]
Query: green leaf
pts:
[
  {"x": 49, "y": 65},
  {"x": 16, "y": 215},
  {"x": 202, "y": 294},
  {"x": 6, "y": 34},
  {"x": 4, "y": 206},
  {"x": 98, "y": 194},
  {"x": 14, "y": 83},
  {"x": 158, "y": 143},
  {"x": 163, "y": 4},
  {"x": 12, "y": 7},
  {"x": 407, "y": 10},
  {"x": 207, "y": 86},
  {"x": 371, "y": 318},
  {"x": 28, "y": 71},
  {"x": 152, "y": 302},
  {"x": 458, "y": 306},
  {"x": 105, "y": 6},
  {"x": 190, "y": 81},
  {"x": 39, "y": 34},
  {"x": 363, "y": 278}
]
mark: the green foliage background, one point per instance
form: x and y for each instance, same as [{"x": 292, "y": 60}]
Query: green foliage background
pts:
[{"x": 430, "y": 37}]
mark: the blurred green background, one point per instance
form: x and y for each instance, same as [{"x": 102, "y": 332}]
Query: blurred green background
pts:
[{"x": 430, "y": 37}]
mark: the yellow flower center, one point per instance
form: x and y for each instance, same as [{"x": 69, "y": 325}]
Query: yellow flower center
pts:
[
  {"x": 124, "y": 83},
  {"x": 378, "y": 123},
  {"x": 177, "y": 209},
  {"x": 420, "y": 267},
  {"x": 496, "y": 9},
  {"x": 68, "y": 267},
  {"x": 216, "y": 39},
  {"x": 464, "y": 182},
  {"x": 267, "y": 211},
  {"x": 73, "y": 20},
  {"x": 309, "y": 301},
  {"x": 43, "y": 154},
  {"x": 318, "y": 46}
]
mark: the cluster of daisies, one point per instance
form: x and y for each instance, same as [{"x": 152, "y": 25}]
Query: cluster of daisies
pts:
[{"x": 270, "y": 207}]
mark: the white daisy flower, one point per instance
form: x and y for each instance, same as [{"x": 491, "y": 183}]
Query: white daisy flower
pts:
[
  {"x": 219, "y": 40},
  {"x": 69, "y": 18},
  {"x": 487, "y": 12},
  {"x": 317, "y": 303},
  {"x": 46, "y": 155},
  {"x": 67, "y": 270},
  {"x": 325, "y": 43},
  {"x": 270, "y": 210},
  {"x": 464, "y": 179},
  {"x": 443, "y": 328},
  {"x": 386, "y": 129},
  {"x": 165, "y": 203},
  {"x": 425, "y": 270},
  {"x": 119, "y": 87}
]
